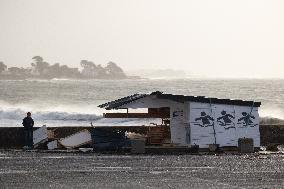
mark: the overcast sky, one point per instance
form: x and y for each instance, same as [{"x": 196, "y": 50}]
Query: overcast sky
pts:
[{"x": 213, "y": 38}]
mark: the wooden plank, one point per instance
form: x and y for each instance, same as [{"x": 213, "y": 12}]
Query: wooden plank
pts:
[
  {"x": 40, "y": 136},
  {"x": 136, "y": 115},
  {"x": 77, "y": 139}
]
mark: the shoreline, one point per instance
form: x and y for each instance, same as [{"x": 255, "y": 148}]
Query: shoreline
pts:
[{"x": 92, "y": 170}]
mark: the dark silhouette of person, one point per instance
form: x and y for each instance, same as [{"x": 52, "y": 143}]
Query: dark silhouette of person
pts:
[
  {"x": 28, "y": 124},
  {"x": 204, "y": 118},
  {"x": 226, "y": 118},
  {"x": 246, "y": 118}
]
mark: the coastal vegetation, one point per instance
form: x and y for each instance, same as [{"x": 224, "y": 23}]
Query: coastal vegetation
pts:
[{"x": 41, "y": 69}]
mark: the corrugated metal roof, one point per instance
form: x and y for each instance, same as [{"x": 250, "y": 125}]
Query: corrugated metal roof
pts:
[
  {"x": 182, "y": 98},
  {"x": 122, "y": 101},
  {"x": 178, "y": 98}
]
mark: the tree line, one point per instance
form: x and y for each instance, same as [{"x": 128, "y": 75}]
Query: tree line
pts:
[{"x": 43, "y": 70}]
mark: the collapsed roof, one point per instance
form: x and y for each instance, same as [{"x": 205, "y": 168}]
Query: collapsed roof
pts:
[{"x": 116, "y": 104}]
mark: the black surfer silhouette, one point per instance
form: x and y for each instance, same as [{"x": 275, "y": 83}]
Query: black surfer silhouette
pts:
[
  {"x": 205, "y": 120},
  {"x": 246, "y": 120},
  {"x": 225, "y": 120}
]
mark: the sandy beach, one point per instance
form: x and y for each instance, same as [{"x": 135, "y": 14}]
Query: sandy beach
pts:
[{"x": 20, "y": 169}]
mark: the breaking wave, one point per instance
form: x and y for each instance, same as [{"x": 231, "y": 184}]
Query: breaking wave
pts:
[
  {"x": 19, "y": 114},
  {"x": 66, "y": 114},
  {"x": 271, "y": 112},
  {"x": 45, "y": 112}
]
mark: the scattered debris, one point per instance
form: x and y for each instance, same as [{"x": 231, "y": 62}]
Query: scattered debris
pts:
[
  {"x": 52, "y": 145},
  {"x": 132, "y": 135},
  {"x": 78, "y": 139},
  {"x": 213, "y": 147},
  {"x": 86, "y": 149},
  {"x": 40, "y": 136},
  {"x": 109, "y": 139}
]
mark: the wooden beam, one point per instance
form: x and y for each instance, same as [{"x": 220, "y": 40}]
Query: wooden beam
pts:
[{"x": 136, "y": 115}]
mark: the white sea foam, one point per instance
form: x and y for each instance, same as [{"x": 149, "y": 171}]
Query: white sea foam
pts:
[
  {"x": 44, "y": 112},
  {"x": 18, "y": 111},
  {"x": 271, "y": 112},
  {"x": 19, "y": 114}
]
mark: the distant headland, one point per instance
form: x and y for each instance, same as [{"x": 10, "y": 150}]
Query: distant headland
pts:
[{"x": 43, "y": 70}]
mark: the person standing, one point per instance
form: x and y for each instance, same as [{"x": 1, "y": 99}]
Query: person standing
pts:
[{"x": 28, "y": 124}]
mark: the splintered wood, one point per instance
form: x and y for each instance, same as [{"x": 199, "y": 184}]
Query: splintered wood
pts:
[{"x": 157, "y": 135}]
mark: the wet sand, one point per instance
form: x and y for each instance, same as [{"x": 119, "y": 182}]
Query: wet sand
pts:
[{"x": 79, "y": 170}]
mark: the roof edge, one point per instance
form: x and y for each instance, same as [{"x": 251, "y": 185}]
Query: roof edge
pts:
[{"x": 115, "y": 104}]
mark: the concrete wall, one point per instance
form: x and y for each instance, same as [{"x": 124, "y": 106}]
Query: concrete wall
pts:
[
  {"x": 271, "y": 134},
  {"x": 13, "y": 137}
]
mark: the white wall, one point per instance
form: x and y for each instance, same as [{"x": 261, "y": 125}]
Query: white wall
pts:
[
  {"x": 224, "y": 124},
  {"x": 187, "y": 127},
  {"x": 252, "y": 129},
  {"x": 201, "y": 133},
  {"x": 228, "y": 122},
  {"x": 179, "y": 124}
]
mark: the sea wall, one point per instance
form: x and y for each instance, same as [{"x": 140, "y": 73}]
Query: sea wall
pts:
[
  {"x": 13, "y": 137},
  {"x": 271, "y": 134}
]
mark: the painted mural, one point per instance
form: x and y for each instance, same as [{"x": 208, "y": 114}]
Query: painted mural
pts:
[
  {"x": 247, "y": 123},
  {"x": 204, "y": 120},
  {"x": 224, "y": 124},
  {"x": 247, "y": 120},
  {"x": 225, "y": 127},
  {"x": 201, "y": 120},
  {"x": 226, "y": 120}
]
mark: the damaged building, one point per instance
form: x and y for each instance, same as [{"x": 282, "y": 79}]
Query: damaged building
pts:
[{"x": 189, "y": 120}]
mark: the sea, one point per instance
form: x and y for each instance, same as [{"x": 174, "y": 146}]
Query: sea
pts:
[{"x": 65, "y": 102}]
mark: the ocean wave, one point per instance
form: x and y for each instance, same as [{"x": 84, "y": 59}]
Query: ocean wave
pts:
[
  {"x": 76, "y": 113},
  {"x": 18, "y": 114},
  {"x": 271, "y": 112}
]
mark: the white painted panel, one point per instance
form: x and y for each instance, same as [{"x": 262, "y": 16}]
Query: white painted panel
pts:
[
  {"x": 197, "y": 105},
  {"x": 224, "y": 125},
  {"x": 52, "y": 145},
  {"x": 178, "y": 135},
  {"x": 177, "y": 124},
  {"x": 247, "y": 123},
  {"x": 201, "y": 124},
  {"x": 77, "y": 139},
  {"x": 230, "y": 124},
  {"x": 40, "y": 135}
]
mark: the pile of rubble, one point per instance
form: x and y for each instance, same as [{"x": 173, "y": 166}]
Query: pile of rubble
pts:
[
  {"x": 98, "y": 139},
  {"x": 46, "y": 138}
]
